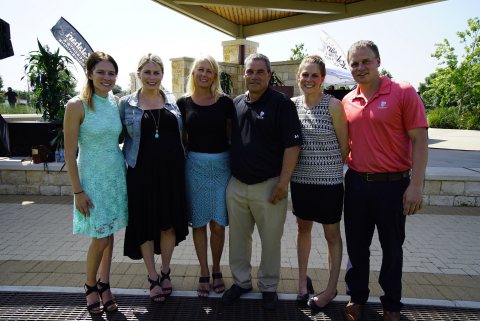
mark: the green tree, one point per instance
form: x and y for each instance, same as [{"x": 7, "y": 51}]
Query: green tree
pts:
[
  {"x": 1, "y": 83},
  {"x": 299, "y": 52},
  {"x": 116, "y": 89},
  {"x": 458, "y": 83},
  {"x": 385, "y": 72},
  {"x": 429, "y": 97}
]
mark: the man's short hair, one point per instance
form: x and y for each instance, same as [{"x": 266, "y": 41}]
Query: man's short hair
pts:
[
  {"x": 259, "y": 56},
  {"x": 9, "y": 88},
  {"x": 364, "y": 44}
]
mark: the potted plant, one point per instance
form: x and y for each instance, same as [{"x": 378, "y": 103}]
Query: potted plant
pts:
[
  {"x": 53, "y": 85},
  {"x": 226, "y": 82}
]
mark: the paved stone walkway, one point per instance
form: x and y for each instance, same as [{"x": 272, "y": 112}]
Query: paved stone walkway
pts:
[{"x": 37, "y": 248}]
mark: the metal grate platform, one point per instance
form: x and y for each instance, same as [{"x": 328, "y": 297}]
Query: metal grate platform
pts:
[{"x": 66, "y": 306}]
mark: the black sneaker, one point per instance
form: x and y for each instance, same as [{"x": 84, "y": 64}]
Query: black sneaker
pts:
[
  {"x": 270, "y": 300},
  {"x": 233, "y": 294}
]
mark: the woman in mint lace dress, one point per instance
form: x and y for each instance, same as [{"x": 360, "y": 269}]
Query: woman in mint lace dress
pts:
[{"x": 92, "y": 123}]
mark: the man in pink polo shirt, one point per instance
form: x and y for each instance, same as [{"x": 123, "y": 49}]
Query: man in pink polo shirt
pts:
[{"x": 388, "y": 138}]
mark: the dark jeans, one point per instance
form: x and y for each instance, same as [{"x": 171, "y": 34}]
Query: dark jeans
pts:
[
  {"x": 370, "y": 204},
  {"x": 12, "y": 103}
]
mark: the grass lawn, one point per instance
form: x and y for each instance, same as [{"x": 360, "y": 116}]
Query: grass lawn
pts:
[{"x": 20, "y": 109}]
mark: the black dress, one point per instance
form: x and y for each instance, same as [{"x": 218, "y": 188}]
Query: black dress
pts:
[{"x": 156, "y": 185}]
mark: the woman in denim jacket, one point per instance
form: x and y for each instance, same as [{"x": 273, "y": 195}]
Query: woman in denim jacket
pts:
[{"x": 155, "y": 157}]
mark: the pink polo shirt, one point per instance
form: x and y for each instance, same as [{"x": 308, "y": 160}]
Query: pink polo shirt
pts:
[{"x": 378, "y": 136}]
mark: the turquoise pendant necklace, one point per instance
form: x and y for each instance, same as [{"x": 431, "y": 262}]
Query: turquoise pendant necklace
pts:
[{"x": 157, "y": 122}]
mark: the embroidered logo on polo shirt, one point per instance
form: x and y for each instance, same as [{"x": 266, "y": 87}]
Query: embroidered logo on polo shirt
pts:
[
  {"x": 297, "y": 136},
  {"x": 261, "y": 115},
  {"x": 383, "y": 105}
]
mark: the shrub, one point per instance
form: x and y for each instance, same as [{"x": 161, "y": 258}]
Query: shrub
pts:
[
  {"x": 443, "y": 117},
  {"x": 447, "y": 117},
  {"x": 470, "y": 120}
]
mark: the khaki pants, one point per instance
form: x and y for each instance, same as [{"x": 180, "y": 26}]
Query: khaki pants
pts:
[{"x": 248, "y": 205}]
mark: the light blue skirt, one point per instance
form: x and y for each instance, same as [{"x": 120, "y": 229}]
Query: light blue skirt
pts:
[{"x": 206, "y": 179}]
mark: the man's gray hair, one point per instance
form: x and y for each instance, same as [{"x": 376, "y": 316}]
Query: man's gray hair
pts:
[
  {"x": 363, "y": 44},
  {"x": 259, "y": 56}
]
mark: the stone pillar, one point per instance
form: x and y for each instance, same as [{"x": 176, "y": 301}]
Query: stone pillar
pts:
[
  {"x": 135, "y": 83},
  {"x": 180, "y": 71},
  {"x": 231, "y": 49}
]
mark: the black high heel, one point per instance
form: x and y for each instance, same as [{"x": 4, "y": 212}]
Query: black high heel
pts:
[
  {"x": 152, "y": 285},
  {"x": 303, "y": 298},
  {"x": 113, "y": 302},
  {"x": 166, "y": 276},
  {"x": 89, "y": 290},
  {"x": 311, "y": 303}
]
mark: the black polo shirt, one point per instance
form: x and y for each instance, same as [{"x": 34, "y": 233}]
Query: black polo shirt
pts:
[
  {"x": 11, "y": 96},
  {"x": 261, "y": 131}
]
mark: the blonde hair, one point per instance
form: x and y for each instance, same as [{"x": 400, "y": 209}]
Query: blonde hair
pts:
[
  {"x": 86, "y": 95},
  {"x": 215, "y": 88},
  {"x": 311, "y": 60},
  {"x": 149, "y": 57},
  {"x": 363, "y": 44}
]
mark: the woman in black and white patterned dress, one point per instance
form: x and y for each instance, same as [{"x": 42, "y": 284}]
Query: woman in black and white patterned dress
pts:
[{"x": 317, "y": 182}]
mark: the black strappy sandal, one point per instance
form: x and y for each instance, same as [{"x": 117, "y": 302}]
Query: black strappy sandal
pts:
[
  {"x": 216, "y": 276},
  {"x": 152, "y": 285},
  {"x": 113, "y": 302},
  {"x": 89, "y": 290},
  {"x": 203, "y": 279},
  {"x": 166, "y": 276}
]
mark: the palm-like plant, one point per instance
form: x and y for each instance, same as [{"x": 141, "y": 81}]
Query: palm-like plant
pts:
[
  {"x": 52, "y": 84},
  {"x": 275, "y": 80},
  {"x": 51, "y": 80},
  {"x": 226, "y": 82}
]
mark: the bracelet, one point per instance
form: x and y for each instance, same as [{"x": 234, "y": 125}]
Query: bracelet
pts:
[{"x": 79, "y": 192}]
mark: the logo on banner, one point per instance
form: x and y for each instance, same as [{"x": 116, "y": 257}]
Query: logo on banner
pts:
[
  {"x": 332, "y": 52},
  {"x": 72, "y": 41}
]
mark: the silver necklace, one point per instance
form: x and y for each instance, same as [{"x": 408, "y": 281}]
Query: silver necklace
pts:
[{"x": 157, "y": 122}]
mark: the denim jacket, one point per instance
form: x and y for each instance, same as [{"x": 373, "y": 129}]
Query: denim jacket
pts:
[{"x": 131, "y": 116}]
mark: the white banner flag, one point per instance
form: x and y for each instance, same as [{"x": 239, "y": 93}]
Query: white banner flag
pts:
[{"x": 332, "y": 52}]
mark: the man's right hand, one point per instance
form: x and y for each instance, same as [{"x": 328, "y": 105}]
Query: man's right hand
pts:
[{"x": 280, "y": 192}]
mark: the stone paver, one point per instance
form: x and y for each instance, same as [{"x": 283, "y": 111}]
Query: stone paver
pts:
[
  {"x": 37, "y": 248},
  {"x": 440, "y": 243}
]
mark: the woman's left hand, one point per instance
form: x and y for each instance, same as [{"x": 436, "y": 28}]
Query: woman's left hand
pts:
[{"x": 82, "y": 203}]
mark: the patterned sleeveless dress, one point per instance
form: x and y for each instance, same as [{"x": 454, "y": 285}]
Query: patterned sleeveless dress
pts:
[
  {"x": 317, "y": 181},
  {"x": 102, "y": 171}
]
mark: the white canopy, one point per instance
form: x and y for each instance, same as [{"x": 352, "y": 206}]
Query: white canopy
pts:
[{"x": 338, "y": 77}]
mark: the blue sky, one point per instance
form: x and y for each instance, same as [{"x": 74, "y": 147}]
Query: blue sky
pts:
[{"x": 127, "y": 29}]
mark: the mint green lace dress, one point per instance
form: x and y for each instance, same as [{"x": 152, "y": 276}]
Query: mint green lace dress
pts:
[{"x": 102, "y": 171}]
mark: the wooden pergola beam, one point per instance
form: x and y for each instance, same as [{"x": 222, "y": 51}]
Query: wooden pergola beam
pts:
[
  {"x": 354, "y": 10},
  {"x": 206, "y": 17},
  {"x": 193, "y": 9},
  {"x": 282, "y": 5}
]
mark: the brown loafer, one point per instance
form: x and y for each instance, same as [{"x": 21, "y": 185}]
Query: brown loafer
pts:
[
  {"x": 391, "y": 316},
  {"x": 353, "y": 312}
]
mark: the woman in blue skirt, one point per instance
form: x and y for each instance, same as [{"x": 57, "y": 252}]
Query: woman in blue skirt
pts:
[{"x": 207, "y": 114}]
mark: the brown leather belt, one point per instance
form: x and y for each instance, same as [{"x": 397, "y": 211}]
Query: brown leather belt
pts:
[{"x": 383, "y": 177}]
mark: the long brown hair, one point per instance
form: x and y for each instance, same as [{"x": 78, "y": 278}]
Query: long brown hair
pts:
[{"x": 87, "y": 92}]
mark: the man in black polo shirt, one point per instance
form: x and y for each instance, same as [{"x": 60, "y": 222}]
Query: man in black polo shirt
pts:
[
  {"x": 266, "y": 140},
  {"x": 12, "y": 97}
]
